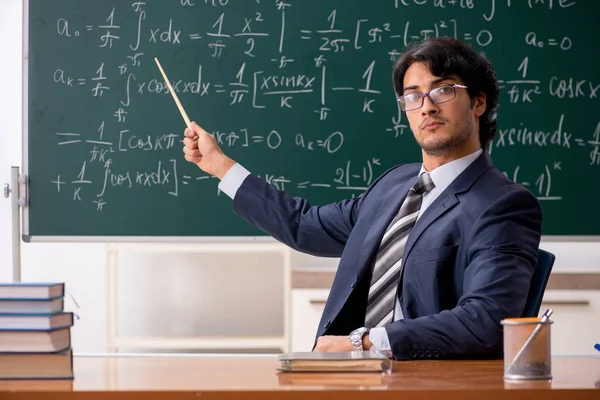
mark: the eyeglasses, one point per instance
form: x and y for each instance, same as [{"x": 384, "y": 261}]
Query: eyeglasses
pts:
[{"x": 438, "y": 95}]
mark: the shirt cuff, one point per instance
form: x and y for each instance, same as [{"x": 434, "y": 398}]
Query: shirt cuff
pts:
[
  {"x": 233, "y": 179},
  {"x": 379, "y": 338}
]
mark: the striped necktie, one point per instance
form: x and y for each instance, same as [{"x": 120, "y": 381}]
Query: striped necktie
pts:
[{"x": 388, "y": 261}]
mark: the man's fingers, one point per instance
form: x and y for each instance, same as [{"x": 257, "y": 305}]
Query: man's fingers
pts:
[
  {"x": 189, "y": 133},
  {"x": 190, "y": 143},
  {"x": 321, "y": 344},
  {"x": 193, "y": 160},
  {"x": 197, "y": 128},
  {"x": 195, "y": 153}
]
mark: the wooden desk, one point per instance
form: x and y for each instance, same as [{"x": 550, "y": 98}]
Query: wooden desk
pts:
[{"x": 172, "y": 377}]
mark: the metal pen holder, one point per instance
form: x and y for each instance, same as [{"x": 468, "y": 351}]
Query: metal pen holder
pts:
[{"x": 527, "y": 352}]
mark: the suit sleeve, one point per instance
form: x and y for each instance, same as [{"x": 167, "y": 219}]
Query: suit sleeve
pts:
[
  {"x": 502, "y": 254},
  {"x": 317, "y": 230}
]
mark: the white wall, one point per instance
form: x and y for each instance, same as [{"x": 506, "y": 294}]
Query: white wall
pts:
[{"x": 164, "y": 295}]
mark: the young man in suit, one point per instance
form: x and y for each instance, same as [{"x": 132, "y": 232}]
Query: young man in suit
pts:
[{"x": 433, "y": 255}]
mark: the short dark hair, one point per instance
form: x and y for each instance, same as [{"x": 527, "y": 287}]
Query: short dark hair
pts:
[{"x": 447, "y": 56}]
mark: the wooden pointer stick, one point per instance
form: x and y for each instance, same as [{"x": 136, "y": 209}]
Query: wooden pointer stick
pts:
[{"x": 181, "y": 110}]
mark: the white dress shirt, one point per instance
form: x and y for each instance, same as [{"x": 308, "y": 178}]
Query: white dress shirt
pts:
[{"x": 442, "y": 177}]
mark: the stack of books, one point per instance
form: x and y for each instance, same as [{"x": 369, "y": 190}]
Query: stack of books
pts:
[{"x": 35, "y": 332}]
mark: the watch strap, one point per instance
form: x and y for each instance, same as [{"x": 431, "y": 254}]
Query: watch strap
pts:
[{"x": 356, "y": 337}]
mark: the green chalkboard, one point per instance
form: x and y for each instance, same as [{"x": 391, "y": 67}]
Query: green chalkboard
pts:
[{"x": 298, "y": 91}]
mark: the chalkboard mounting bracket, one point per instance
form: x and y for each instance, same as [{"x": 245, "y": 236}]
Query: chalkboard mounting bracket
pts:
[{"x": 23, "y": 192}]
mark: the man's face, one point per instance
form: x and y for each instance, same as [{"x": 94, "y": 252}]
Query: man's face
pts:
[{"x": 447, "y": 128}]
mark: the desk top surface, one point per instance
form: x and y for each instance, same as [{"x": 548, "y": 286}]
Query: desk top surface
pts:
[{"x": 230, "y": 375}]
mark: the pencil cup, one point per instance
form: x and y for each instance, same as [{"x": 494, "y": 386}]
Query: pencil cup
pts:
[{"x": 527, "y": 348}]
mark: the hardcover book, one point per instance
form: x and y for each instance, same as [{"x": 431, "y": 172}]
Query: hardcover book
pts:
[
  {"x": 31, "y": 291},
  {"x": 37, "y": 365},
  {"x": 355, "y": 361}
]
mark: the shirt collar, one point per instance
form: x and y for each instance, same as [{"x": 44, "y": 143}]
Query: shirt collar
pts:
[{"x": 443, "y": 175}]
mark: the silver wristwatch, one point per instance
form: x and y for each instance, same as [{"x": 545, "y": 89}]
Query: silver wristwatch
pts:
[{"x": 356, "y": 337}]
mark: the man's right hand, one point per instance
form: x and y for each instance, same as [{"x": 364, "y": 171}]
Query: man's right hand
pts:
[{"x": 201, "y": 148}]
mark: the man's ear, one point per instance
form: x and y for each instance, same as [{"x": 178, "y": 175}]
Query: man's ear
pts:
[{"x": 479, "y": 106}]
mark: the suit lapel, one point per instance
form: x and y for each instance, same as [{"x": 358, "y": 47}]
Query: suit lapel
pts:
[
  {"x": 448, "y": 198},
  {"x": 442, "y": 204}
]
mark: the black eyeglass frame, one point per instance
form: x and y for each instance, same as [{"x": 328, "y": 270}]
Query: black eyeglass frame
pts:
[{"x": 454, "y": 86}]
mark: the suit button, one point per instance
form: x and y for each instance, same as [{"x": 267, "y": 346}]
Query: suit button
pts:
[
  {"x": 412, "y": 354},
  {"x": 353, "y": 285},
  {"x": 428, "y": 353},
  {"x": 327, "y": 324},
  {"x": 436, "y": 353},
  {"x": 421, "y": 353}
]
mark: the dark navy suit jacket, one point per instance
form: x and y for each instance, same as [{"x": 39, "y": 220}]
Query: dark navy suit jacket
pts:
[{"x": 468, "y": 261}]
